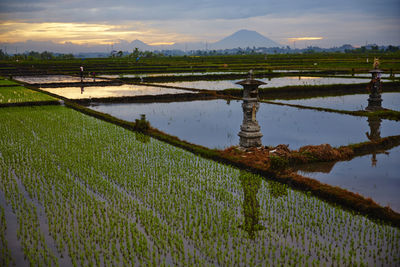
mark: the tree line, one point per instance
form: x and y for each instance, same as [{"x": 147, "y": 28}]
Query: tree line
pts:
[{"x": 32, "y": 55}]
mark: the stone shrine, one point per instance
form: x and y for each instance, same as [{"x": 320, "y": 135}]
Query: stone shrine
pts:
[
  {"x": 250, "y": 134},
  {"x": 375, "y": 88}
]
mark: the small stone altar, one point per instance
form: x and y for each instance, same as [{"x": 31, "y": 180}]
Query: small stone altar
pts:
[
  {"x": 375, "y": 88},
  {"x": 250, "y": 134}
]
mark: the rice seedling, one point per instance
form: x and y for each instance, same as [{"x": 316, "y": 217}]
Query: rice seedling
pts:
[
  {"x": 111, "y": 199},
  {"x": 19, "y": 94}
]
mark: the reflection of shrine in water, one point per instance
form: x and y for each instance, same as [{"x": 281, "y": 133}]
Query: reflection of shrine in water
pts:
[
  {"x": 374, "y": 134},
  {"x": 251, "y": 207}
]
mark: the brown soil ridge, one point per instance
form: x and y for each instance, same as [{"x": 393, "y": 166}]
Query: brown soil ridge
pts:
[{"x": 281, "y": 156}]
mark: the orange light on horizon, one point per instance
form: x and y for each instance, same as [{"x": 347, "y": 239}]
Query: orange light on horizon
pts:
[
  {"x": 162, "y": 43},
  {"x": 305, "y": 38},
  {"x": 76, "y": 33}
]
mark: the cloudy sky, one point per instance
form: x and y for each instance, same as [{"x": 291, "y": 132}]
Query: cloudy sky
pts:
[{"x": 86, "y": 22}]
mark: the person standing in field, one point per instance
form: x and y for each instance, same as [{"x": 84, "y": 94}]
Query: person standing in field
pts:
[{"x": 81, "y": 69}]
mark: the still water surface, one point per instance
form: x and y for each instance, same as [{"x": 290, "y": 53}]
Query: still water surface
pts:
[
  {"x": 216, "y": 123},
  {"x": 112, "y": 91},
  {"x": 376, "y": 176},
  {"x": 347, "y": 102},
  {"x": 54, "y": 79},
  {"x": 273, "y": 82},
  {"x": 143, "y": 75}
]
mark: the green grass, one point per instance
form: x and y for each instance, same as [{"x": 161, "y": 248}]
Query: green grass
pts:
[
  {"x": 19, "y": 94},
  {"x": 107, "y": 197},
  {"x": 7, "y": 82}
]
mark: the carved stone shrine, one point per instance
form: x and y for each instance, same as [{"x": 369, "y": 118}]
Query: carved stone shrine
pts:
[
  {"x": 375, "y": 88},
  {"x": 250, "y": 134}
]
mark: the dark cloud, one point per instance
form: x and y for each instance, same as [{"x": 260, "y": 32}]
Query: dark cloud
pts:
[
  {"x": 117, "y": 10},
  {"x": 20, "y": 7},
  {"x": 341, "y": 20}
]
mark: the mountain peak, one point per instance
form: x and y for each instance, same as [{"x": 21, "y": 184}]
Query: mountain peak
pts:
[
  {"x": 244, "y": 38},
  {"x": 244, "y": 31},
  {"x": 140, "y": 45}
]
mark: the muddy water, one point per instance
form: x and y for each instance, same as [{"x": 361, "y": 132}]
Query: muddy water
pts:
[
  {"x": 376, "y": 176},
  {"x": 347, "y": 102},
  {"x": 111, "y": 91},
  {"x": 272, "y": 82},
  {"x": 216, "y": 123}
]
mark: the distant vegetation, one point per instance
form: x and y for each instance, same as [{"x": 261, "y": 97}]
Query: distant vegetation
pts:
[
  {"x": 139, "y": 62},
  {"x": 138, "y": 54},
  {"x": 32, "y": 55}
]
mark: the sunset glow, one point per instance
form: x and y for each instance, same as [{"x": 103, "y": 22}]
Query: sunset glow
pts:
[
  {"x": 305, "y": 39},
  {"x": 162, "y": 43},
  {"x": 54, "y": 25},
  {"x": 77, "y": 33}
]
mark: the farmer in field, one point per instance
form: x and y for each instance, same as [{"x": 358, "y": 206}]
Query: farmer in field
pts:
[{"x": 81, "y": 70}]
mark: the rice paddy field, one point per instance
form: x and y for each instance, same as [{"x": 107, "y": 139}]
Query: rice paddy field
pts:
[
  {"x": 19, "y": 94},
  {"x": 4, "y": 82},
  {"x": 79, "y": 191},
  {"x": 95, "y": 194}
]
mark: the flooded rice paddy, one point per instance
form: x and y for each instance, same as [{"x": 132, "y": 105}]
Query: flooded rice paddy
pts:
[
  {"x": 54, "y": 79},
  {"x": 216, "y": 123},
  {"x": 111, "y": 91},
  {"x": 376, "y": 176},
  {"x": 94, "y": 194},
  {"x": 347, "y": 102},
  {"x": 272, "y": 82},
  {"x": 143, "y": 75}
]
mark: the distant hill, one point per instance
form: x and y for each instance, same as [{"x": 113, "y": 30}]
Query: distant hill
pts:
[{"x": 243, "y": 39}]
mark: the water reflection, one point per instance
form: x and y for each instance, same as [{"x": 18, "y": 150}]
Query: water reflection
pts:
[
  {"x": 272, "y": 82},
  {"x": 112, "y": 91},
  {"x": 375, "y": 175},
  {"x": 251, "y": 207},
  {"x": 44, "y": 79},
  {"x": 143, "y": 138},
  {"x": 346, "y": 102},
  {"x": 374, "y": 135},
  {"x": 210, "y": 122}
]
